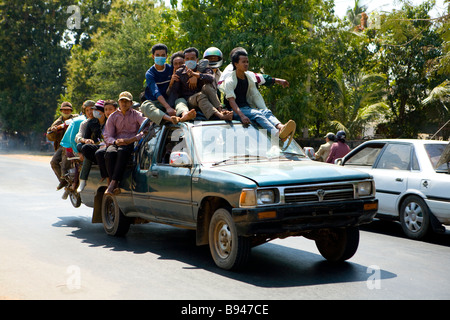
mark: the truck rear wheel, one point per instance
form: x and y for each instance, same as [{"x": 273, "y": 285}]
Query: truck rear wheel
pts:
[
  {"x": 228, "y": 250},
  {"x": 338, "y": 244},
  {"x": 114, "y": 221}
]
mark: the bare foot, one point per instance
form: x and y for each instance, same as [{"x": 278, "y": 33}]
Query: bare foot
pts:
[
  {"x": 175, "y": 119},
  {"x": 190, "y": 115},
  {"x": 226, "y": 115}
]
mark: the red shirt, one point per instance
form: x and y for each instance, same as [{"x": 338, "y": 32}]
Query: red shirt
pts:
[{"x": 338, "y": 150}]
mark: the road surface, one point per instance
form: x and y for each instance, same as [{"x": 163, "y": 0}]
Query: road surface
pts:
[{"x": 51, "y": 250}]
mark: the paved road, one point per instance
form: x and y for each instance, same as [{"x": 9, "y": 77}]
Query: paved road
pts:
[{"x": 50, "y": 250}]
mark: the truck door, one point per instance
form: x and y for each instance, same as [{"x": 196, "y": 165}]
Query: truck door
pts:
[
  {"x": 170, "y": 188},
  {"x": 141, "y": 177}
]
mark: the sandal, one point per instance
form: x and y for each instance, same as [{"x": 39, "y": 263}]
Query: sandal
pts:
[{"x": 288, "y": 129}]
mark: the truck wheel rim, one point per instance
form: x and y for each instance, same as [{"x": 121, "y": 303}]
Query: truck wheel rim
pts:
[
  {"x": 223, "y": 240},
  {"x": 110, "y": 209},
  {"x": 413, "y": 217}
]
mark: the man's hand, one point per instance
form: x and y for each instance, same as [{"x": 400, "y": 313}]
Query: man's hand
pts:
[
  {"x": 192, "y": 83},
  {"x": 170, "y": 111},
  {"x": 88, "y": 141},
  {"x": 124, "y": 142},
  {"x": 282, "y": 82},
  {"x": 244, "y": 119}
]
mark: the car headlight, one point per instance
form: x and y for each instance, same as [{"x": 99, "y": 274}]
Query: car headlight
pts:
[
  {"x": 265, "y": 196},
  {"x": 252, "y": 197},
  {"x": 364, "y": 188}
]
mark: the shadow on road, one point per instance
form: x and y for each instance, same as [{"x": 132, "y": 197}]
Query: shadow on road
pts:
[
  {"x": 393, "y": 228},
  {"x": 270, "y": 265}
]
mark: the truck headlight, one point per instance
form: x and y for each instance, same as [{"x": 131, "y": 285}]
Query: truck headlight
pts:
[
  {"x": 364, "y": 188},
  {"x": 266, "y": 196}
]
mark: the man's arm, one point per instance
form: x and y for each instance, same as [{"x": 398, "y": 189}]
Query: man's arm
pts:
[
  {"x": 207, "y": 76},
  {"x": 244, "y": 119},
  {"x": 110, "y": 131},
  {"x": 151, "y": 83}
]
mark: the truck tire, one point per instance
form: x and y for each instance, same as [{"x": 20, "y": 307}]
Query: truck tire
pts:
[
  {"x": 339, "y": 244},
  {"x": 415, "y": 217},
  {"x": 229, "y": 251},
  {"x": 114, "y": 221}
]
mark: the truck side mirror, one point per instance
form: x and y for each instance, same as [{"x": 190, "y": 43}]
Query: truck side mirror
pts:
[{"x": 180, "y": 159}]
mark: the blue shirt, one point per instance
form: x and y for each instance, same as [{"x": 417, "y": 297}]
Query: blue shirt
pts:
[
  {"x": 68, "y": 140},
  {"x": 157, "y": 82}
]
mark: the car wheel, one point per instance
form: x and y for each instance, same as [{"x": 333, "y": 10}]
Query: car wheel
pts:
[
  {"x": 415, "y": 217},
  {"x": 114, "y": 221},
  {"x": 338, "y": 244},
  {"x": 228, "y": 250}
]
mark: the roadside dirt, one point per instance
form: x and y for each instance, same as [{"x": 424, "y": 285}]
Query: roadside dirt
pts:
[{"x": 32, "y": 157}]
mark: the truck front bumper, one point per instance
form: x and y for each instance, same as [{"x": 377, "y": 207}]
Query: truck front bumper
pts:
[{"x": 304, "y": 217}]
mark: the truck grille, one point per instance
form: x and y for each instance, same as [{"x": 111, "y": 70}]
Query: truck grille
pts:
[{"x": 319, "y": 193}]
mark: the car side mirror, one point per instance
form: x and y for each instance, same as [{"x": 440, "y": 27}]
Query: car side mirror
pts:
[
  {"x": 180, "y": 159},
  {"x": 339, "y": 162},
  {"x": 310, "y": 152}
]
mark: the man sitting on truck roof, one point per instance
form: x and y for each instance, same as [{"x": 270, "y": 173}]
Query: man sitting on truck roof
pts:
[
  {"x": 120, "y": 133},
  {"x": 248, "y": 103},
  {"x": 195, "y": 90},
  {"x": 156, "y": 106}
]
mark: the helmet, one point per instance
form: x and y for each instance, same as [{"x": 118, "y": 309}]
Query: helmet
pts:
[
  {"x": 213, "y": 51},
  {"x": 340, "y": 135}
]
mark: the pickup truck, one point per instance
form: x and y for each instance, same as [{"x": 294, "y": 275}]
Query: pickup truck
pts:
[{"x": 237, "y": 187}]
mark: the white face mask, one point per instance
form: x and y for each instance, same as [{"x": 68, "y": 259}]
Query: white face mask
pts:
[
  {"x": 97, "y": 114},
  {"x": 65, "y": 115}
]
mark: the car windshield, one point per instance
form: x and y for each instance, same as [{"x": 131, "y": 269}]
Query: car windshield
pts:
[
  {"x": 434, "y": 152},
  {"x": 365, "y": 156},
  {"x": 232, "y": 142}
]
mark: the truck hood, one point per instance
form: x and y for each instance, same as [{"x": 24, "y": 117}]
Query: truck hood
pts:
[{"x": 293, "y": 172}]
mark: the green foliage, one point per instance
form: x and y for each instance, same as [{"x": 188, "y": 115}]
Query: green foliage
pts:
[
  {"x": 407, "y": 51},
  {"x": 339, "y": 78}
]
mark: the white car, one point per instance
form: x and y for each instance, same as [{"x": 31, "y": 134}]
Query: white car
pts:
[{"x": 410, "y": 187}]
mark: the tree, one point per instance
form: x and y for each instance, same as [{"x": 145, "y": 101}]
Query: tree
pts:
[
  {"x": 276, "y": 34},
  {"x": 32, "y": 65},
  {"x": 408, "y": 50},
  {"x": 358, "y": 102},
  {"x": 354, "y": 14},
  {"x": 120, "y": 52}
]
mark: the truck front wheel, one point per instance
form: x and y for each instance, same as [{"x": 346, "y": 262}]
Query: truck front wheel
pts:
[
  {"x": 340, "y": 244},
  {"x": 228, "y": 250},
  {"x": 114, "y": 221}
]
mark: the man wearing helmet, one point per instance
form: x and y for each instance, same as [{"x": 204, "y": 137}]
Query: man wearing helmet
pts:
[
  {"x": 339, "y": 149},
  {"x": 215, "y": 58}
]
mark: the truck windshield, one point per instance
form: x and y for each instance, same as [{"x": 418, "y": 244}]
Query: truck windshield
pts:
[{"x": 231, "y": 143}]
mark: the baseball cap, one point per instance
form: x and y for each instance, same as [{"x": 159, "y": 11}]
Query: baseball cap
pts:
[
  {"x": 331, "y": 136},
  {"x": 66, "y": 106},
  {"x": 126, "y": 95}
]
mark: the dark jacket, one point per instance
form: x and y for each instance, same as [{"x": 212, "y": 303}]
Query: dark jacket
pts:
[
  {"x": 180, "y": 89},
  {"x": 94, "y": 130}
]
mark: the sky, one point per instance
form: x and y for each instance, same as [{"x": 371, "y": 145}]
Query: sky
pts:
[{"x": 341, "y": 6}]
